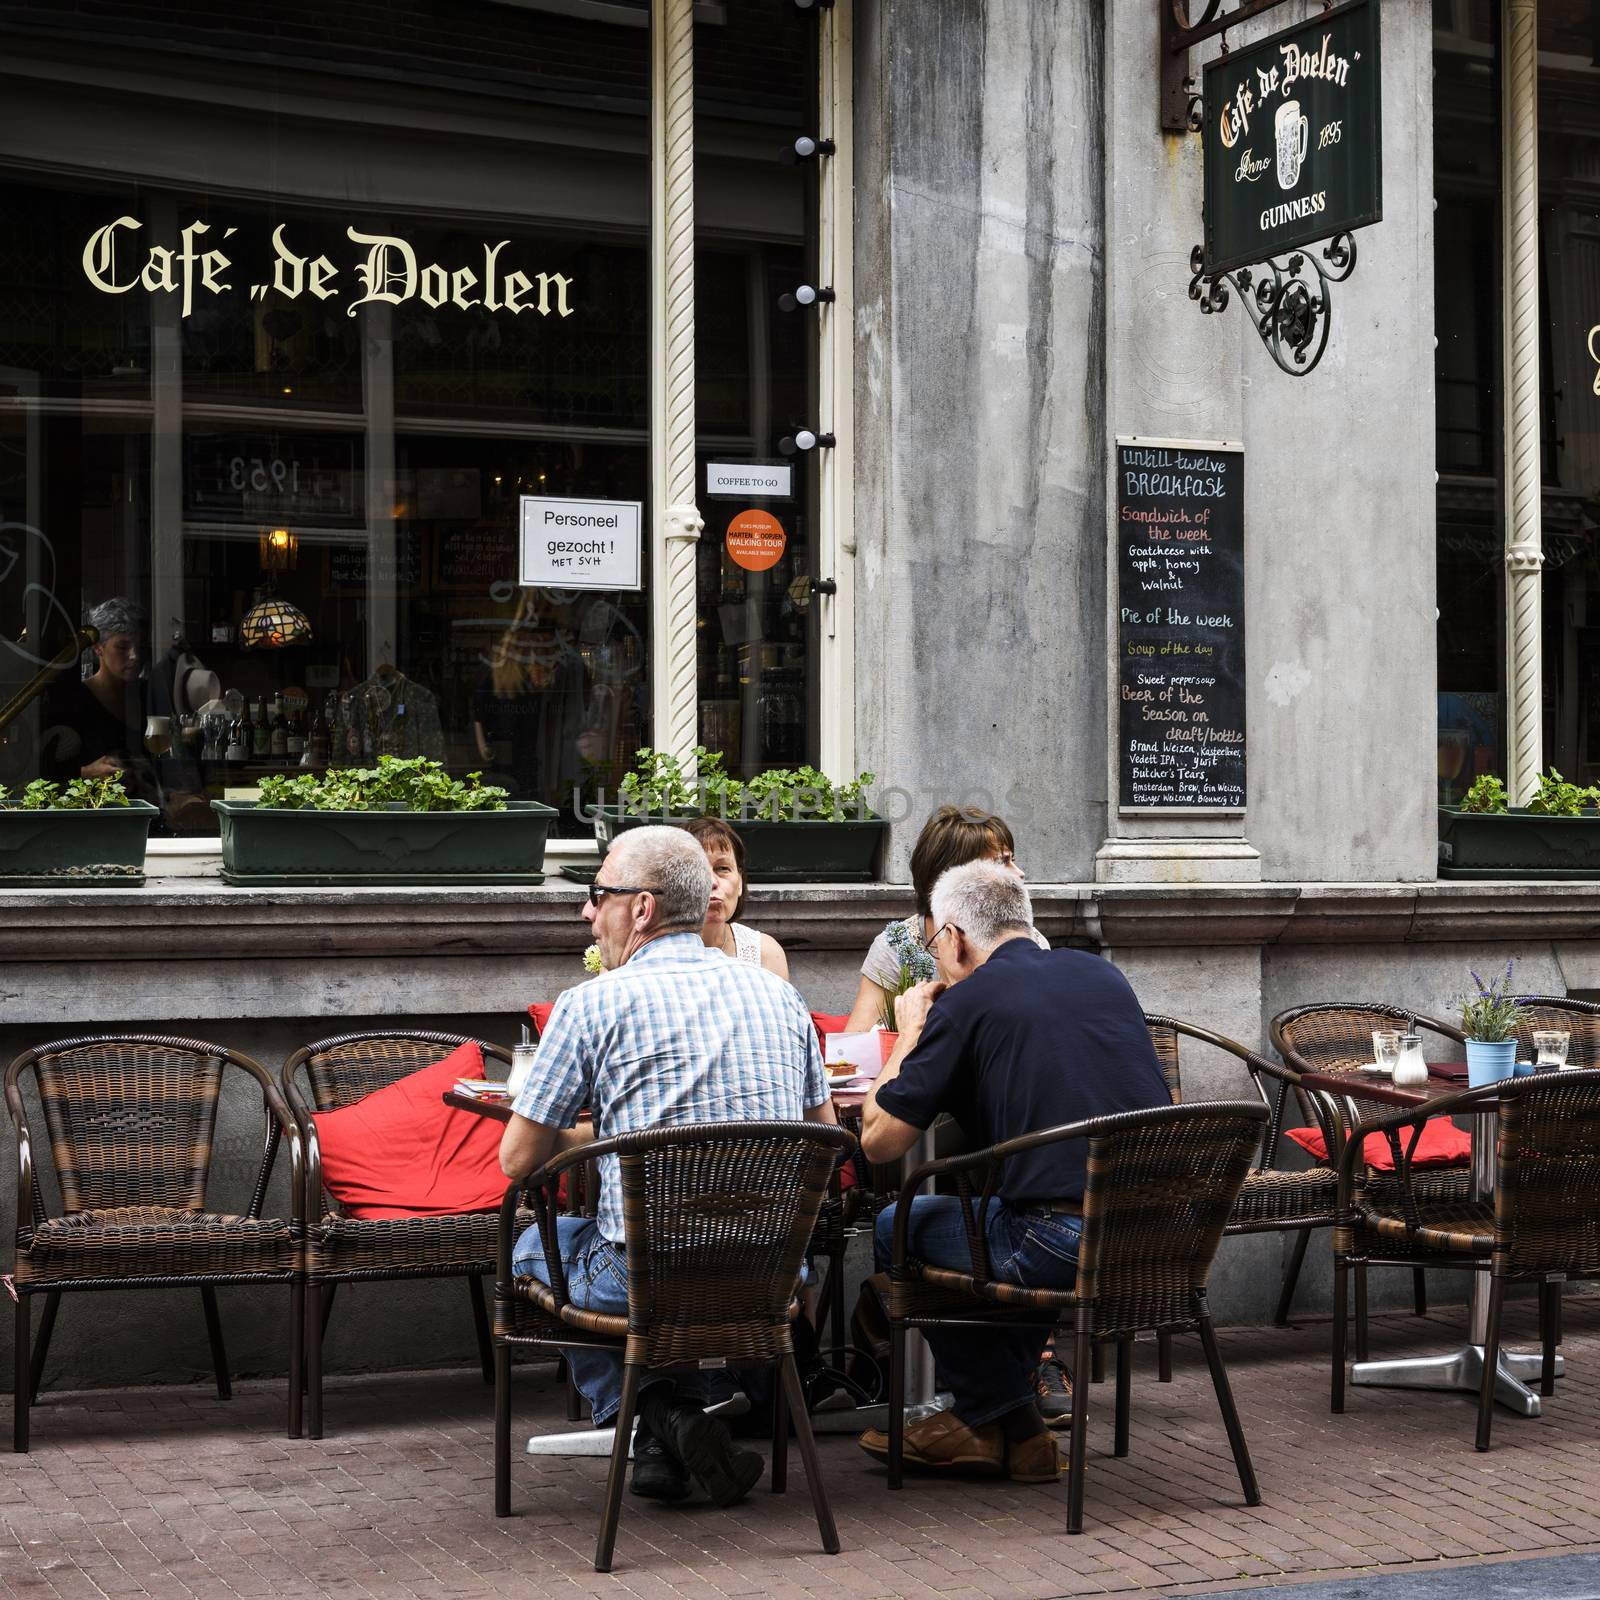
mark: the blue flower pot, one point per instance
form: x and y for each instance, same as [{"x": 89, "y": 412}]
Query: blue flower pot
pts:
[{"x": 1490, "y": 1061}]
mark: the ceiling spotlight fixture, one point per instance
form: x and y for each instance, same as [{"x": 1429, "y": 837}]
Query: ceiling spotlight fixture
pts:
[
  {"x": 806, "y": 148},
  {"x": 803, "y": 439},
  {"x": 804, "y": 295}
]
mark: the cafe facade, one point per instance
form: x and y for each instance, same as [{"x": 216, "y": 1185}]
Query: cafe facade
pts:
[{"x": 864, "y": 348}]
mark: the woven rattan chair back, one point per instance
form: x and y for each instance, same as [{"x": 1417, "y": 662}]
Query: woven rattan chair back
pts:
[
  {"x": 718, "y": 1217},
  {"x": 1338, "y": 1038},
  {"x": 131, "y": 1120},
  {"x": 1547, "y": 1199},
  {"x": 1164, "y": 1036},
  {"x": 1580, "y": 1019},
  {"x": 351, "y": 1066},
  {"x": 1160, "y": 1187}
]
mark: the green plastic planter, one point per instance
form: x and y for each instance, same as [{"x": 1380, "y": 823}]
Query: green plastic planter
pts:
[
  {"x": 270, "y": 848},
  {"x": 1517, "y": 844},
  {"x": 783, "y": 852},
  {"x": 75, "y": 849}
]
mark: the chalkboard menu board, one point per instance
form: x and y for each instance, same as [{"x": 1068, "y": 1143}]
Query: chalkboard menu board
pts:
[{"x": 1180, "y": 644}]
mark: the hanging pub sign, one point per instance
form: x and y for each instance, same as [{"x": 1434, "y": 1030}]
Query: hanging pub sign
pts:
[{"x": 1293, "y": 139}]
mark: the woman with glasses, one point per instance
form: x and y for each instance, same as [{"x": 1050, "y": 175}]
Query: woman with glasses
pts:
[{"x": 723, "y": 931}]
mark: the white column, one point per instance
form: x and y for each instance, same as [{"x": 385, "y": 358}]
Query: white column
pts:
[
  {"x": 675, "y": 520},
  {"x": 1523, "y": 510}
]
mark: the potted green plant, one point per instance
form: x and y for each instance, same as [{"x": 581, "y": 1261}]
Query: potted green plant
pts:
[
  {"x": 399, "y": 822},
  {"x": 797, "y": 826},
  {"x": 83, "y": 833},
  {"x": 1490, "y": 1019},
  {"x": 1556, "y": 835}
]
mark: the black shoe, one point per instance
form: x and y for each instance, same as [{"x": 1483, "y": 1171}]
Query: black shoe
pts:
[
  {"x": 704, "y": 1445},
  {"x": 1052, "y": 1385},
  {"x": 657, "y": 1473}
]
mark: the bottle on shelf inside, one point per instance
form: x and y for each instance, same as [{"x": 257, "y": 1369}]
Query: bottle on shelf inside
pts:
[
  {"x": 294, "y": 732},
  {"x": 238, "y": 746},
  {"x": 277, "y": 731}
]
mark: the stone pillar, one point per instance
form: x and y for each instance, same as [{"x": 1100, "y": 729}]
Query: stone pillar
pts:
[
  {"x": 1524, "y": 557},
  {"x": 675, "y": 521}
]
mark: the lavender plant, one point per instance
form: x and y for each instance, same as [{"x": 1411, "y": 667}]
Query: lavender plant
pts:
[{"x": 1493, "y": 1014}]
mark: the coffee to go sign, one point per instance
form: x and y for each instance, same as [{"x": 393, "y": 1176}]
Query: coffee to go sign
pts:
[{"x": 1293, "y": 144}]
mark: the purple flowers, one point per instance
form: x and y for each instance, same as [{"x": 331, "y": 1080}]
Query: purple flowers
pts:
[{"x": 1493, "y": 1015}]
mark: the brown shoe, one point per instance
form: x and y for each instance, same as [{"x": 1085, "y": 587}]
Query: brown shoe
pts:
[
  {"x": 944, "y": 1443},
  {"x": 1035, "y": 1460}
]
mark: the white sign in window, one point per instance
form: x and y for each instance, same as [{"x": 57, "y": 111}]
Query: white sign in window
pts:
[
  {"x": 749, "y": 480},
  {"x": 580, "y": 544}
]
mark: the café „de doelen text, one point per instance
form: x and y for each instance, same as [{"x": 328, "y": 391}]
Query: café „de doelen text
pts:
[{"x": 1180, "y": 544}]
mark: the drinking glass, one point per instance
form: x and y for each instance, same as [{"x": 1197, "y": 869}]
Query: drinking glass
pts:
[
  {"x": 1550, "y": 1047},
  {"x": 1386, "y": 1047},
  {"x": 158, "y": 735}
]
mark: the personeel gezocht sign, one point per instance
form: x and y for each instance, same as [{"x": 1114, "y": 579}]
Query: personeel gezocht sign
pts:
[
  {"x": 580, "y": 544},
  {"x": 1293, "y": 138},
  {"x": 1180, "y": 634}
]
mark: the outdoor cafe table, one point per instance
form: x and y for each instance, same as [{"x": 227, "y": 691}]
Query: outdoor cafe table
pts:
[
  {"x": 1462, "y": 1368},
  {"x": 921, "y": 1397}
]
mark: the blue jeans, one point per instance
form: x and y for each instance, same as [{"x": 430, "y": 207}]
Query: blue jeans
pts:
[
  {"x": 597, "y": 1280},
  {"x": 989, "y": 1371}
]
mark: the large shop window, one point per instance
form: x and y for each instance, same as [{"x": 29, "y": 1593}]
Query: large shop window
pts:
[
  {"x": 295, "y": 311},
  {"x": 1470, "y": 393}
]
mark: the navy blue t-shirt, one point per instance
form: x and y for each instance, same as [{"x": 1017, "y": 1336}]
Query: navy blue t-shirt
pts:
[{"x": 1032, "y": 1040}]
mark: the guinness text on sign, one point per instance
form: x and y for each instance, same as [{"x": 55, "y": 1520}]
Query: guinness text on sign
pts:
[{"x": 1293, "y": 142}]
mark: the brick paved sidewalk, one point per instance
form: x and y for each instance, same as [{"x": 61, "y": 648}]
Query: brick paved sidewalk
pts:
[{"x": 170, "y": 1492}]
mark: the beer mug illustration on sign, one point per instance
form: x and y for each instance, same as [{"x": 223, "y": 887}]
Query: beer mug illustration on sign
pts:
[{"x": 1294, "y": 137}]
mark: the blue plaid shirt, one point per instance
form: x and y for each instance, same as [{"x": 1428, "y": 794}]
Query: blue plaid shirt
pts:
[{"x": 678, "y": 1033}]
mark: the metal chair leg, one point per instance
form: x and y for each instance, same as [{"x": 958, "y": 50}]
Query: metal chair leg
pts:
[
  {"x": 41, "y": 1343},
  {"x": 1550, "y": 1332},
  {"x": 329, "y": 1290},
  {"x": 502, "y": 1430},
  {"x": 297, "y": 1357},
  {"x": 1078, "y": 1445},
  {"x": 1341, "y": 1330},
  {"x": 1164, "y": 1355},
  {"x": 1419, "y": 1291},
  {"x": 480, "y": 1323},
  {"x": 1491, "y": 1361},
  {"x": 790, "y": 1374},
  {"x": 1291, "y": 1277},
  {"x": 897, "y": 1402},
  {"x": 780, "y": 1433},
  {"x": 1361, "y": 1310},
  {"x": 316, "y": 1320},
  {"x": 1230, "y": 1414},
  {"x": 22, "y": 1388},
  {"x": 219, "y": 1355},
  {"x": 631, "y": 1375},
  {"x": 1124, "y": 1393}
]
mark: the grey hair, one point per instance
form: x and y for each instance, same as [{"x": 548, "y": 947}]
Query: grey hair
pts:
[
  {"x": 671, "y": 864},
  {"x": 984, "y": 900},
  {"x": 116, "y": 615}
]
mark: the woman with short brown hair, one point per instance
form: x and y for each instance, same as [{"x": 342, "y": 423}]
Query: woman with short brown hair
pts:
[{"x": 722, "y": 930}]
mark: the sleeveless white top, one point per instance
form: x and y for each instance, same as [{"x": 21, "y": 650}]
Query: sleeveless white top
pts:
[{"x": 746, "y": 944}]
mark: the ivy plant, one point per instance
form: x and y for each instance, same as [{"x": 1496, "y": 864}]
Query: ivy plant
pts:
[
  {"x": 77, "y": 794},
  {"x": 1558, "y": 798},
  {"x": 1487, "y": 794},
  {"x": 417, "y": 784},
  {"x": 656, "y": 786}
]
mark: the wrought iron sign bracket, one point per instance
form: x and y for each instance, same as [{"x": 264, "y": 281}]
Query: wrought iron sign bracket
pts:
[
  {"x": 1179, "y": 35},
  {"x": 1291, "y": 309}
]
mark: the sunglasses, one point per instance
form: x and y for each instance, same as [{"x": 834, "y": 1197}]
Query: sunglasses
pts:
[{"x": 598, "y": 889}]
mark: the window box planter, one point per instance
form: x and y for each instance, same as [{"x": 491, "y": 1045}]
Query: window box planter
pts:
[
  {"x": 59, "y": 849},
  {"x": 1517, "y": 844},
  {"x": 269, "y": 847},
  {"x": 813, "y": 851}
]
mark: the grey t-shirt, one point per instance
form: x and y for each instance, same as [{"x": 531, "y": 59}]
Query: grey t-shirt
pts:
[{"x": 883, "y": 965}]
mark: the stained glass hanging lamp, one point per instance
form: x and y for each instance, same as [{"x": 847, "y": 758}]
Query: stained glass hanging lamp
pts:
[{"x": 271, "y": 623}]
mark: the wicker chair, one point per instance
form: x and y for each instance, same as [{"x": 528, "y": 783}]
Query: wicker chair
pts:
[
  {"x": 1579, "y": 1018},
  {"x": 341, "y": 1249},
  {"x": 1542, "y": 1223},
  {"x": 1161, "y": 1185},
  {"x": 718, "y": 1217},
  {"x": 1334, "y": 1037},
  {"x": 131, "y": 1120}
]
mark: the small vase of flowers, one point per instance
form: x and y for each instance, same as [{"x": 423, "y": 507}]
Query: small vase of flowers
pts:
[{"x": 1490, "y": 1019}]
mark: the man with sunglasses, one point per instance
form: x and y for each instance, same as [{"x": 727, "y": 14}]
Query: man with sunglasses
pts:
[
  {"x": 1010, "y": 1040},
  {"x": 670, "y": 1032}
]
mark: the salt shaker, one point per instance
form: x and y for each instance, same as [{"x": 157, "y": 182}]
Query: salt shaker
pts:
[{"x": 1410, "y": 1070}]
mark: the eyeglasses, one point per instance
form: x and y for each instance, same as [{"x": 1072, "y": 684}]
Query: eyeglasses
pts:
[
  {"x": 598, "y": 889},
  {"x": 934, "y": 937}
]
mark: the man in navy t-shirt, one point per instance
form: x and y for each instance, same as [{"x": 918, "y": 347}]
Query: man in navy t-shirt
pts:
[{"x": 1011, "y": 1040}]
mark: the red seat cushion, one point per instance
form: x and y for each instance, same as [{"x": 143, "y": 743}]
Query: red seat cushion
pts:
[
  {"x": 1442, "y": 1144},
  {"x": 401, "y": 1152},
  {"x": 825, "y": 1023},
  {"x": 540, "y": 1012}
]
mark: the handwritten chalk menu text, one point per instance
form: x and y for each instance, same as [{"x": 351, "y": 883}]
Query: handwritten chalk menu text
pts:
[{"x": 1180, "y": 602}]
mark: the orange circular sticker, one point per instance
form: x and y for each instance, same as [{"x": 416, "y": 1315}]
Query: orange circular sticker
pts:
[{"x": 756, "y": 540}]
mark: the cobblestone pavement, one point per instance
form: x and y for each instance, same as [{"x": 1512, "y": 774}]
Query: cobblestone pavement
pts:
[{"x": 170, "y": 1492}]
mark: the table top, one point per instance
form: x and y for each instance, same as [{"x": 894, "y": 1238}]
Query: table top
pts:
[
  {"x": 1444, "y": 1077},
  {"x": 500, "y": 1109}
]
